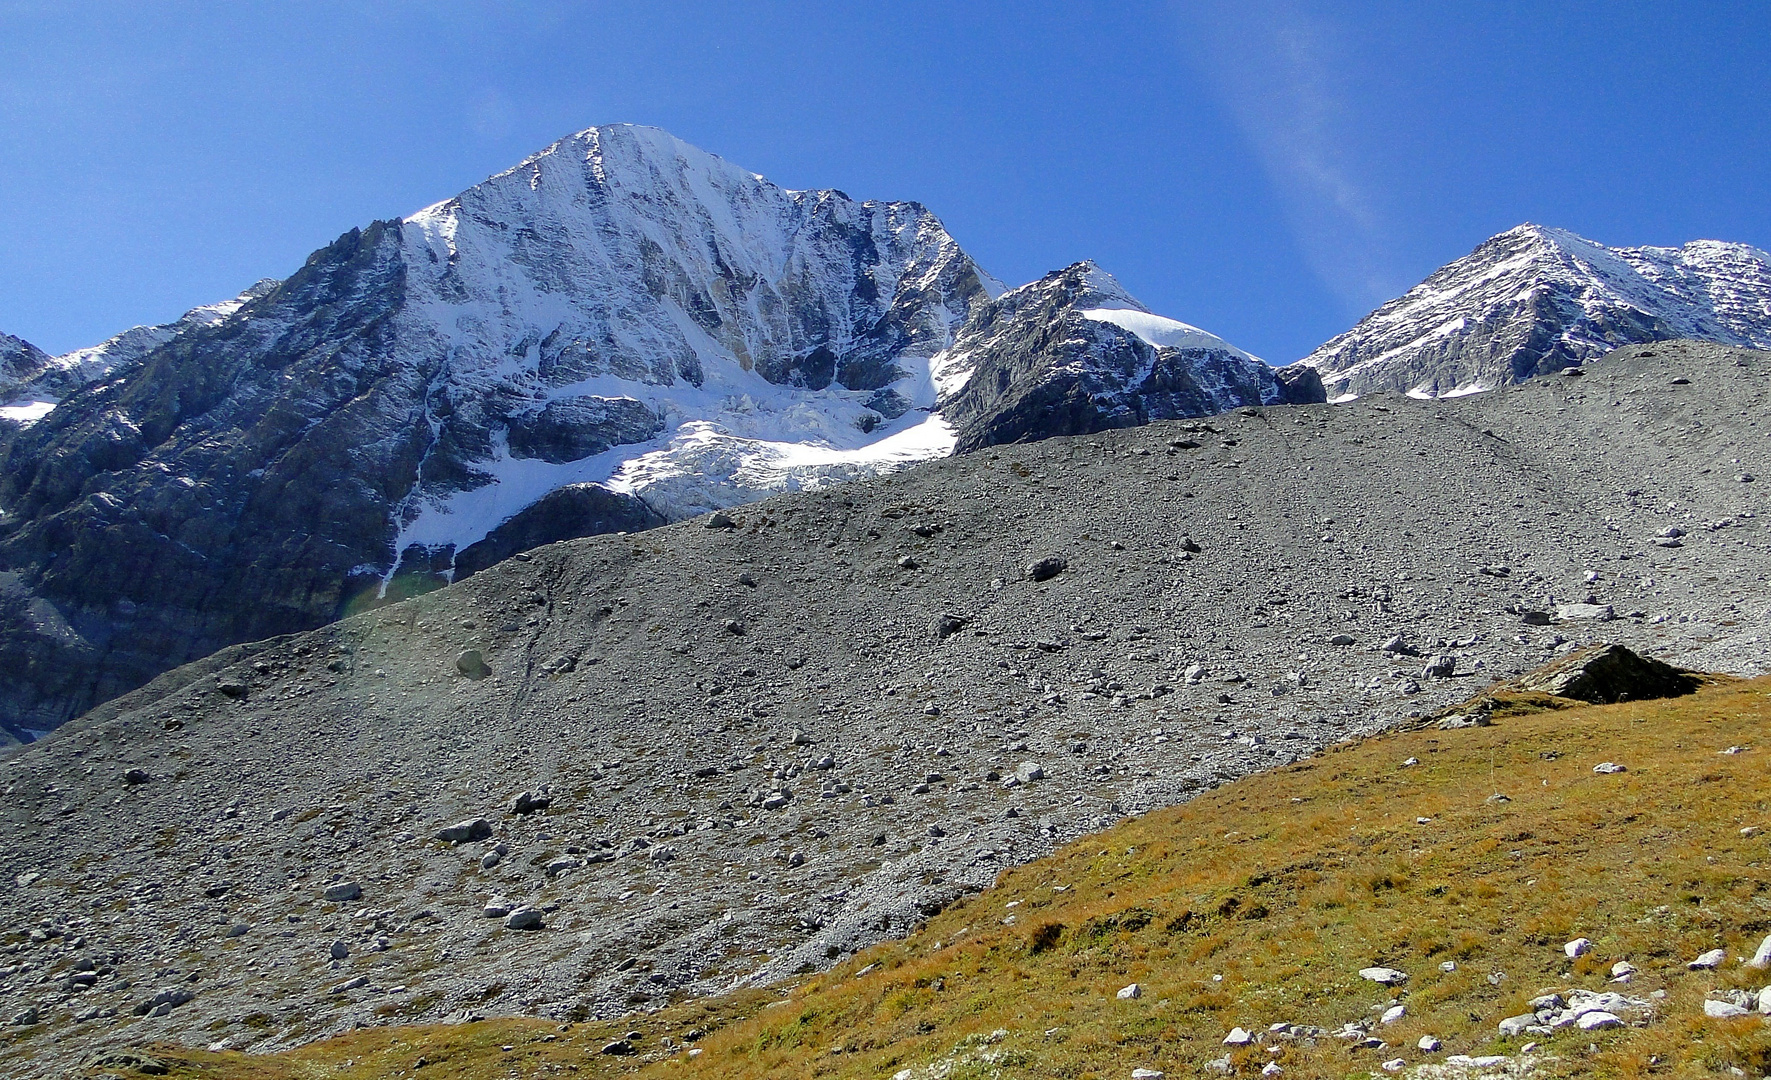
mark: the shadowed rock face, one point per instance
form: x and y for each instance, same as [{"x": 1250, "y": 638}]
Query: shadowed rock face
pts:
[
  {"x": 1532, "y": 301},
  {"x": 1039, "y": 366},
  {"x": 1608, "y": 673},
  {"x": 20, "y": 362}
]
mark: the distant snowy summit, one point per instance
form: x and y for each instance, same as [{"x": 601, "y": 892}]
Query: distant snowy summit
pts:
[
  {"x": 1534, "y": 300},
  {"x": 622, "y": 330}
]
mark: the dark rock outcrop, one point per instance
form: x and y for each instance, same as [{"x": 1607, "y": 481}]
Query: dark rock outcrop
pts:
[{"x": 1073, "y": 353}]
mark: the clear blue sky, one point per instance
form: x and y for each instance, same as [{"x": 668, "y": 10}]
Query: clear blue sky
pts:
[{"x": 1267, "y": 170}]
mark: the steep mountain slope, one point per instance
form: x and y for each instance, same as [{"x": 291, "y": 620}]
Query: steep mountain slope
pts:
[
  {"x": 20, "y": 363},
  {"x": 1074, "y": 353},
  {"x": 1532, "y": 301},
  {"x": 621, "y": 309},
  {"x": 767, "y": 745}
]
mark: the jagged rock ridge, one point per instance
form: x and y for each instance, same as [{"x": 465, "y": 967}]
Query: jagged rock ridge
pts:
[
  {"x": 1534, "y": 300},
  {"x": 1074, "y": 353}
]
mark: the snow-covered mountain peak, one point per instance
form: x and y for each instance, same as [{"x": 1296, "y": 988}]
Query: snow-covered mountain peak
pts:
[{"x": 1535, "y": 299}]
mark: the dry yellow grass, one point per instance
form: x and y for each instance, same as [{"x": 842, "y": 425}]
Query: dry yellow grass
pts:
[{"x": 1258, "y": 903}]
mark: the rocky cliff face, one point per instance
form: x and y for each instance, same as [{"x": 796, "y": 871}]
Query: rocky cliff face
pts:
[
  {"x": 620, "y": 310},
  {"x": 1533, "y": 300},
  {"x": 1074, "y": 353},
  {"x": 20, "y": 363}
]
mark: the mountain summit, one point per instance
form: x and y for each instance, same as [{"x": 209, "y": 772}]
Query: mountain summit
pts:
[
  {"x": 621, "y": 331},
  {"x": 1534, "y": 300}
]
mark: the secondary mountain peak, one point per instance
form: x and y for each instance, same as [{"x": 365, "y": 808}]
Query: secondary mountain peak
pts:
[{"x": 1534, "y": 299}]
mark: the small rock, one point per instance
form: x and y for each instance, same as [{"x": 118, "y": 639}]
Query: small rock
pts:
[
  {"x": 1607, "y": 768},
  {"x": 1593, "y": 612},
  {"x": 1599, "y": 1020},
  {"x": 342, "y": 891},
  {"x": 947, "y": 625},
  {"x": 906, "y": 562},
  {"x": 491, "y": 859},
  {"x": 1514, "y": 1026},
  {"x": 1341, "y": 639},
  {"x": 27, "y": 1017},
  {"x": 1764, "y": 1001},
  {"x": 239, "y": 930},
  {"x": 1047, "y": 568},
  {"x": 1709, "y": 961},
  {"x": 800, "y": 738},
  {"x": 134, "y": 777},
  {"x": 465, "y": 830},
  {"x": 1385, "y": 975},
  {"x": 523, "y": 918},
  {"x": 1448, "y": 966},
  {"x": 1578, "y": 947},
  {"x": 1128, "y": 993},
  {"x": 719, "y": 519},
  {"x": 1029, "y": 771},
  {"x": 470, "y": 663},
  {"x": 1762, "y": 955},
  {"x": 1622, "y": 970},
  {"x": 530, "y": 802},
  {"x": 1440, "y": 667},
  {"x": 497, "y": 908},
  {"x": 1393, "y": 1014},
  {"x": 1272, "y": 1068},
  {"x": 340, "y": 950},
  {"x": 620, "y": 1047},
  {"x": 1238, "y": 1037},
  {"x": 1188, "y": 545},
  {"x": 1715, "y": 1010},
  {"x": 1429, "y": 1044},
  {"x": 1147, "y": 1074},
  {"x": 1394, "y": 1065},
  {"x": 231, "y": 687}
]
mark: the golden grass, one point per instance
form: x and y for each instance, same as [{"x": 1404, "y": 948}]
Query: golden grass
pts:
[{"x": 1258, "y": 903}]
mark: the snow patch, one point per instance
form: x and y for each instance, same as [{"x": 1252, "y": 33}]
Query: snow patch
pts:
[
  {"x": 1164, "y": 332},
  {"x": 26, "y": 413}
]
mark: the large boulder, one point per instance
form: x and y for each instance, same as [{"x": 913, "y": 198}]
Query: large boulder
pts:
[{"x": 1605, "y": 673}]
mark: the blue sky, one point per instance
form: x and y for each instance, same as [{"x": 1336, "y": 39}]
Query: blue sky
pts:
[{"x": 1267, "y": 170}]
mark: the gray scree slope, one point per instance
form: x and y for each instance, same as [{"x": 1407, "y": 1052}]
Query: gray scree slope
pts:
[{"x": 172, "y": 850}]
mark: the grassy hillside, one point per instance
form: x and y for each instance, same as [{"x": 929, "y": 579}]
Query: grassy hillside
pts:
[{"x": 1258, "y": 903}]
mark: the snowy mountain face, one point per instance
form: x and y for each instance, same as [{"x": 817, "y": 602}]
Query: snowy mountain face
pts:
[
  {"x": 31, "y": 390},
  {"x": 21, "y": 363},
  {"x": 620, "y": 331},
  {"x": 1074, "y": 353},
  {"x": 1532, "y": 301}
]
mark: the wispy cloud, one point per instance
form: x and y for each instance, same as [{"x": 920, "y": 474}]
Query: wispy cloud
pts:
[{"x": 1278, "y": 69}]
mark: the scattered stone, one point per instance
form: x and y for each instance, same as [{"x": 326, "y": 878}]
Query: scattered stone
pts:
[
  {"x": 348, "y": 985},
  {"x": 1762, "y": 955},
  {"x": 1188, "y": 545},
  {"x": 1514, "y": 1026},
  {"x": 1709, "y": 961},
  {"x": 465, "y": 830},
  {"x": 340, "y": 950},
  {"x": 530, "y": 802},
  {"x": 523, "y": 918},
  {"x": 27, "y": 1017},
  {"x": 1440, "y": 667},
  {"x": 719, "y": 519},
  {"x": 1578, "y": 947},
  {"x": 1393, "y": 1014},
  {"x": 1047, "y": 568},
  {"x": 497, "y": 908},
  {"x": 470, "y": 663},
  {"x": 135, "y": 777},
  {"x": 1128, "y": 993},
  {"x": 947, "y": 625},
  {"x": 1429, "y": 1044},
  {"x": 1448, "y": 966},
  {"x": 1342, "y": 639},
  {"x": 1715, "y": 1010},
  {"x": 342, "y": 892},
  {"x": 618, "y": 1048},
  {"x": 1147, "y": 1074},
  {"x": 1028, "y": 771},
  {"x": 1386, "y": 976},
  {"x": 1238, "y": 1037},
  {"x": 906, "y": 562},
  {"x": 239, "y": 930},
  {"x": 231, "y": 687},
  {"x": 1394, "y": 1065},
  {"x": 1589, "y": 612},
  {"x": 1622, "y": 970},
  {"x": 1608, "y": 768}
]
